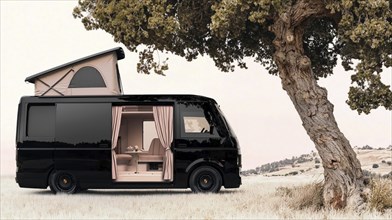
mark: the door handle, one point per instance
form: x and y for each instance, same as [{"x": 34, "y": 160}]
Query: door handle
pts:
[
  {"x": 103, "y": 145},
  {"x": 182, "y": 145}
]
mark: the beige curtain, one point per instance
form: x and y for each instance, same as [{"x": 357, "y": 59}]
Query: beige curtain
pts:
[
  {"x": 116, "y": 122},
  {"x": 163, "y": 117}
]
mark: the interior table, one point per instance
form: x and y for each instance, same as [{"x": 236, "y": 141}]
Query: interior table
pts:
[{"x": 135, "y": 154}]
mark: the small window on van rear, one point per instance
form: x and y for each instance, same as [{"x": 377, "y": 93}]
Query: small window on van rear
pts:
[
  {"x": 149, "y": 133},
  {"x": 41, "y": 121}
]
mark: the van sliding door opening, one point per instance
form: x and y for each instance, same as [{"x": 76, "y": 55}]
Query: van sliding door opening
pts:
[{"x": 143, "y": 135}]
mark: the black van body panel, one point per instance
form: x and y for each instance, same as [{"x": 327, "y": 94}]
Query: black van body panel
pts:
[
  {"x": 91, "y": 162},
  {"x": 91, "y": 166},
  {"x": 33, "y": 167}
]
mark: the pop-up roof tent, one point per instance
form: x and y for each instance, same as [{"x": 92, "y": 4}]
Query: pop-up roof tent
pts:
[{"x": 96, "y": 74}]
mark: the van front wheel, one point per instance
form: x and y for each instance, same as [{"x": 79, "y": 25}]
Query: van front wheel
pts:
[
  {"x": 205, "y": 179},
  {"x": 62, "y": 182}
]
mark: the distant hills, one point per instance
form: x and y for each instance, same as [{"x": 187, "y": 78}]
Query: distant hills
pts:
[{"x": 374, "y": 162}]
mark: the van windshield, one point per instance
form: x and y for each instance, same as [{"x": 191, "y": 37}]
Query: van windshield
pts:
[
  {"x": 228, "y": 126},
  {"x": 225, "y": 121}
]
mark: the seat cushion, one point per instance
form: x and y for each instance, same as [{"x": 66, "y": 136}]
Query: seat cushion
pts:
[{"x": 123, "y": 157}]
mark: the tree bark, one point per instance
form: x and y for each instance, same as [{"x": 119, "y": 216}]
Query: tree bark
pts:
[{"x": 344, "y": 182}]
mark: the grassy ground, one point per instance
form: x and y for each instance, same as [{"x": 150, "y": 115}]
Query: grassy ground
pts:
[{"x": 255, "y": 199}]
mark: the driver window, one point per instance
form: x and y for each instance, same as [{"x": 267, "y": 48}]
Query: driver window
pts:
[
  {"x": 196, "y": 125},
  {"x": 197, "y": 120}
]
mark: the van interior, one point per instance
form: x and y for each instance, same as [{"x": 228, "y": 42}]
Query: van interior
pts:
[{"x": 139, "y": 152}]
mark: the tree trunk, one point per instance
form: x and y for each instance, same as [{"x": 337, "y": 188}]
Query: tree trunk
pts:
[{"x": 343, "y": 184}]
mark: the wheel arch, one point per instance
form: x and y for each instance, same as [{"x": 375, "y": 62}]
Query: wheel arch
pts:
[{"x": 49, "y": 173}]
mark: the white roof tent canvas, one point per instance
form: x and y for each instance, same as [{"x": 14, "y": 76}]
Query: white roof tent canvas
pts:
[{"x": 96, "y": 74}]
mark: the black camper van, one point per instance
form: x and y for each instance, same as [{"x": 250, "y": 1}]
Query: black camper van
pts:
[{"x": 76, "y": 142}]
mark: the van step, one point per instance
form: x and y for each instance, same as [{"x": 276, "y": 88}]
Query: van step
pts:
[{"x": 155, "y": 176}]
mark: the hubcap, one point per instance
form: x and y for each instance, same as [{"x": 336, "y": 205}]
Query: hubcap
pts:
[
  {"x": 206, "y": 182},
  {"x": 65, "y": 182}
]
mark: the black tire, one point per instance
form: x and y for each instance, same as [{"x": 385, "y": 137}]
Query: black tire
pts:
[
  {"x": 63, "y": 182},
  {"x": 205, "y": 179}
]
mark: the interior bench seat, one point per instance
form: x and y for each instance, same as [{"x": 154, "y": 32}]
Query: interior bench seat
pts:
[{"x": 155, "y": 153}]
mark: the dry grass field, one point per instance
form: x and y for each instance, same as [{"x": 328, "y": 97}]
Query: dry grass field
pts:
[{"x": 256, "y": 199}]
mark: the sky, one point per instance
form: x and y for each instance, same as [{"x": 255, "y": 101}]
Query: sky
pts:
[{"x": 38, "y": 35}]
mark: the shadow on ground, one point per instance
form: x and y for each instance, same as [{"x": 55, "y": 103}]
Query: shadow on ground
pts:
[{"x": 132, "y": 192}]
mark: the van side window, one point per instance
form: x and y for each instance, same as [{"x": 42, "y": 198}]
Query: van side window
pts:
[
  {"x": 198, "y": 120},
  {"x": 88, "y": 124},
  {"x": 41, "y": 121},
  {"x": 194, "y": 124}
]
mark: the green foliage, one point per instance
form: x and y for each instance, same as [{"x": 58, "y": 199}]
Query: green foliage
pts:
[
  {"x": 365, "y": 34},
  {"x": 359, "y": 31}
]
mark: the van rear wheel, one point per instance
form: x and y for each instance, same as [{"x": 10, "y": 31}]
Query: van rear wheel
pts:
[
  {"x": 63, "y": 182},
  {"x": 205, "y": 179}
]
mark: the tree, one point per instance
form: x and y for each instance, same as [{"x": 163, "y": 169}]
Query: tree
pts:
[{"x": 299, "y": 40}]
